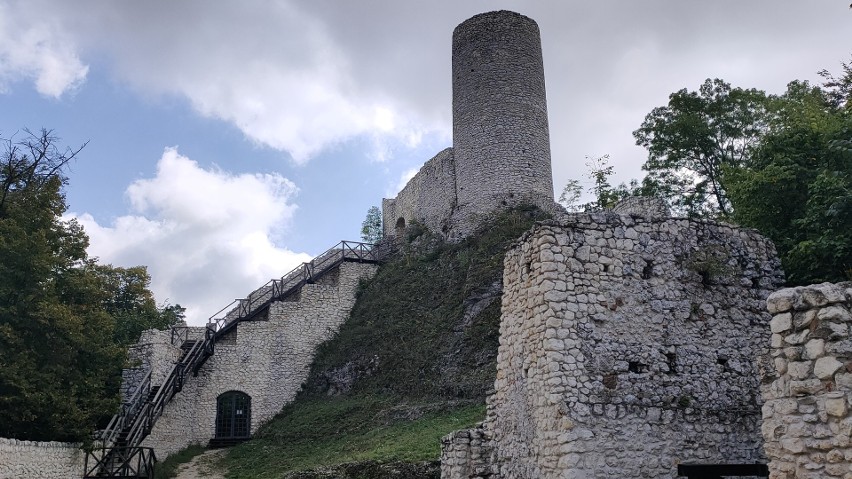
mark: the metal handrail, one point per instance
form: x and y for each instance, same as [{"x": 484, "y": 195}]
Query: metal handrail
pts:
[
  {"x": 129, "y": 408},
  {"x": 307, "y": 272}
]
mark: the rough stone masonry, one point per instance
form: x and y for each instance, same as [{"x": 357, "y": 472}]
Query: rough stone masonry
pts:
[
  {"x": 628, "y": 345},
  {"x": 501, "y": 142},
  {"x": 266, "y": 359},
  {"x": 807, "y": 414}
]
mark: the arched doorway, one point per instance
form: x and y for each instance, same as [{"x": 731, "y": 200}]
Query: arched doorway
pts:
[
  {"x": 233, "y": 415},
  {"x": 400, "y": 227}
]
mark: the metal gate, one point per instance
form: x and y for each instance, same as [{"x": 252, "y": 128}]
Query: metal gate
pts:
[{"x": 233, "y": 415}]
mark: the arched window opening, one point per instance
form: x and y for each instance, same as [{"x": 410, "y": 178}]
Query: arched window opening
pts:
[{"x": 400, "y": 226}]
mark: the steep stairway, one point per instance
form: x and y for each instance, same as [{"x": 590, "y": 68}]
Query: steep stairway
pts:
[{"x": 120, "y": 454}]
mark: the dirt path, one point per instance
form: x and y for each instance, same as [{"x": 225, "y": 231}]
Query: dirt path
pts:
[{"x": 202, "y": 466}]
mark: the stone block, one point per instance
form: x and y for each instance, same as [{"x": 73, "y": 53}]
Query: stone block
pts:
[{"x": 825, "y": 367}]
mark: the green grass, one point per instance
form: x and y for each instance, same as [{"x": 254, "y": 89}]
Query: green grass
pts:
[
  {"x": 324, "y": 432},
  {"x": 406, "y": 335},
  {"x": 168, "y": 468}
]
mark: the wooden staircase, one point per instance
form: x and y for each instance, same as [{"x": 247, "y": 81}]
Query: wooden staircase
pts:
[{"x": 120, "y": 454}]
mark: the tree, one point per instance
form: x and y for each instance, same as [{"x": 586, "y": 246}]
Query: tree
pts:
[
  {"x": 371, "y": 228},
  {"x": 571, "y": 194},
  {"x": 797, "y": 187},
  {"x": 606, "y": 196},
  {"x": 64, "y": 319},
  {"x": 131, "y": 304},
  {"x": 694, "y": 137}
]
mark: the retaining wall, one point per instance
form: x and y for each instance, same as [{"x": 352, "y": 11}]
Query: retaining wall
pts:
[{"x": 267, "y": 359}]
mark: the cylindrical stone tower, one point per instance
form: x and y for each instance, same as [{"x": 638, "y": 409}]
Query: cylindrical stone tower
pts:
[{"x": 500, "y": 134}]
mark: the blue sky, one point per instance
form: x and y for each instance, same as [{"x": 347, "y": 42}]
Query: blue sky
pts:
[{"x": 229, "y": 141}]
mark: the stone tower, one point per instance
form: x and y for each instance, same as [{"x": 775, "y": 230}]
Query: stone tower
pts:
[
  {"x": 501, "y": 146},
  {"x": 500, "y": 131}
]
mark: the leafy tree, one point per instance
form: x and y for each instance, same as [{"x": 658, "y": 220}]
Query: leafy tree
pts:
[
  {"x": 797, "y": 187},
  {"x": 64, "y": 319},
  {"x": 60, "y": 368},
  {"x": 691, "y": 139},
  {"x": 371, "y": 228},
  {"x": 571, "y": 194},
  {"x": 131, "y": 303},
  {"x": 606, "y": 196}
]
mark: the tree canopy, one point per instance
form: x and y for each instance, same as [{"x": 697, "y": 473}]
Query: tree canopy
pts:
[
  {"x": 64, "y": 319},
  {"x": 694, "y": 137},
  {"x": 779, "y": 163},
  {"x": 371, "y": 228}
]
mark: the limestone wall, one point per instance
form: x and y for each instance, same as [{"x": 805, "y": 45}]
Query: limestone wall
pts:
[
  {"x": 40, "y": 460},
  {"x": 155, "y": 352},
  {"x": 267, "y": 359},
  {"x": 628, "y": 346},
  {"x": 501, "y": 142},
  {"x": 808, "y": 393},
  {"x": 429, "y": 197}
]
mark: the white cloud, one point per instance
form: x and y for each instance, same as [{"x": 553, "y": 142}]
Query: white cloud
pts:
[
  {"x": 207, "y": 236},
  {"x": 301, "y": 76},
  {"x": 37, "y": 51}
]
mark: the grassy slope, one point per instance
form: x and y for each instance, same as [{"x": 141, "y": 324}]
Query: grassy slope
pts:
[{"x": 404, "y": 370}]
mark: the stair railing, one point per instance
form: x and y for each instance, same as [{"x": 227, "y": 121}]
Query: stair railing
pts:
[
  {"x": 129, "y": 409},
  {"x": 276, "y": 289},
  {"x": 137, "y": 462}
]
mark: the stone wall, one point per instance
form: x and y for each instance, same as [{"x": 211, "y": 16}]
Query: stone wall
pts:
[
  {"x": 808, "y": 393},
  {"x": 155, "y": 352},
  {"x": 428, "y": 198},
  {"x": 40, "y": 460},
  {"x": 266, "y": 359},
  {"x": 627, "y": 346}
]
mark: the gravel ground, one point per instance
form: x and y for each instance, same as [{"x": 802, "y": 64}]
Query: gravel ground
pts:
[{"x": 202, "y": 466}]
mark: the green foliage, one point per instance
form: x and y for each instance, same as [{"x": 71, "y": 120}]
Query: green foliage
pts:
[
  {"x": 168, "y": 468},
  {"x": 62, "y": 352},
  {"x": 797, "y": 188},
  {"x": 419, "y": 368},
  {"x": 691, "y": 139},
  {"x": 571, "y": 194},
  {"x": 606, "y": 196},
  {"x": 323, "y": 432},
  {"x": 780, "y": 164},
  {"x": 371, "y": 228},
  {"x": 60, "y": 369},
  {"x": 131, "y": 303}
]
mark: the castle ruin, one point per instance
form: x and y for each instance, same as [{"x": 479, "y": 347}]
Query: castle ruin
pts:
[{"x": 631, "y": 342}]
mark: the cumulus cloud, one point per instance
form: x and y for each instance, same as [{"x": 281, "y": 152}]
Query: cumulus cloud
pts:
[
  {"x": 302, "y": 76},
  {"x": 207, "y": 236},
  {"x": 37, "y": 51},
  {"x": 269, "y": 68}
]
